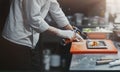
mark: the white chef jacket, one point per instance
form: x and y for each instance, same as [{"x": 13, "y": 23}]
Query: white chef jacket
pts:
[{"x": 26, "y": 20}]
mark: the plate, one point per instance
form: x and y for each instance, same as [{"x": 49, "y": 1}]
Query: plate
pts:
[{"x": 96, "y": 45}]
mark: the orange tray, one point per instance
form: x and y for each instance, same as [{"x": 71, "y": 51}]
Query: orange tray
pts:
[{"x": 81, "y": 48}]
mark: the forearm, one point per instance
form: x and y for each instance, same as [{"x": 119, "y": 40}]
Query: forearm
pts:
[
  {"x": 68, "y": 27},
  {"x": 52, "y": 30},
  {"x": 61, "y": 33}
]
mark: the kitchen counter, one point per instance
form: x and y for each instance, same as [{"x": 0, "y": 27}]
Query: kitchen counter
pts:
[{"x": 86, "y": 62}]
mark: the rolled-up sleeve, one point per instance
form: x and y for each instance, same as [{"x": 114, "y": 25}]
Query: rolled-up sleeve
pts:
[
  {"x": 57, "y": 14},
  {"x": 32, "y": 12}
]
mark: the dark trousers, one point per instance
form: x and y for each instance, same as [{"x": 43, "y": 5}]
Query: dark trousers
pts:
[
  {"x": 37, "y": 57},
  {"x": 19, "y": 57}
]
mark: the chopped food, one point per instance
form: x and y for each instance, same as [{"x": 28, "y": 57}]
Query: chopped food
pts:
[{"x": 94, "y": 43}]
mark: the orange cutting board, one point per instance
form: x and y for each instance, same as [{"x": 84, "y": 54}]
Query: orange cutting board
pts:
[{"x": 81, "y": 48}]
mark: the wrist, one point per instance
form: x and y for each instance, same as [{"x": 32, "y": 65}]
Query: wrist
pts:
[{"x": 68, "y": 27}]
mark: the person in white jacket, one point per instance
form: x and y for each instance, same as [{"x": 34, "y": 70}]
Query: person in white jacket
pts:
[{"x": 26, "y": 21}]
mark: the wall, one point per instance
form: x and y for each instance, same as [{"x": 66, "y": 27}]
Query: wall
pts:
[{"x": 88, "y": 7}]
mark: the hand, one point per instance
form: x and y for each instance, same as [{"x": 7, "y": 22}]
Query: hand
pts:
[
  {"x": 68, "y": 34},
  {"x": 79, "y": 38}
]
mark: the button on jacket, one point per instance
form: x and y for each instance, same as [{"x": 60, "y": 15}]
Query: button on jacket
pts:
[{"x": 26, "y": 21}]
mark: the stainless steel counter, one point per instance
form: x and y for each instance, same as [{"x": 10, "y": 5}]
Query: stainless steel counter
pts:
[{"x": 88, "y": 61}]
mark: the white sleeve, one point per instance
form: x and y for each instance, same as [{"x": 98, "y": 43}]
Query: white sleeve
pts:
[
  {"x": 32, "y": 11},
  {"x": 57, "y": 14}
]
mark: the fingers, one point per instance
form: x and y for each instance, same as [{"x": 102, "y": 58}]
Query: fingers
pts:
[
  {"x": 73, "y": 38},
  {"x": 79, "y": 38},
  {"x": 76, "y": 37}
]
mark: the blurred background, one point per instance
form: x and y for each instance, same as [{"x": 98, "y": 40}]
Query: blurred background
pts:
[{"x": 84, "y": 14}]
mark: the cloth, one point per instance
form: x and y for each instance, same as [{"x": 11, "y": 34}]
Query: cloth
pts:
[{"x": 26, "y": 21}]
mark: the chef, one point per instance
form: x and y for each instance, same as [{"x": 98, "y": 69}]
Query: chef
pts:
[{"x": 26, "y": 22}]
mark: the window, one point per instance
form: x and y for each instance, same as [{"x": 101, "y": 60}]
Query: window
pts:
[{"x": 113, "y": 7}]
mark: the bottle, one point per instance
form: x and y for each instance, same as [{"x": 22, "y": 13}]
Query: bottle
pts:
[
  {"x": 46, "y": 59},
  {"x": 55, "y": 60}
]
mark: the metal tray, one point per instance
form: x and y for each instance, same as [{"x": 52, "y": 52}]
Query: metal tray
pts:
[{"x": 102, "y": 45}]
